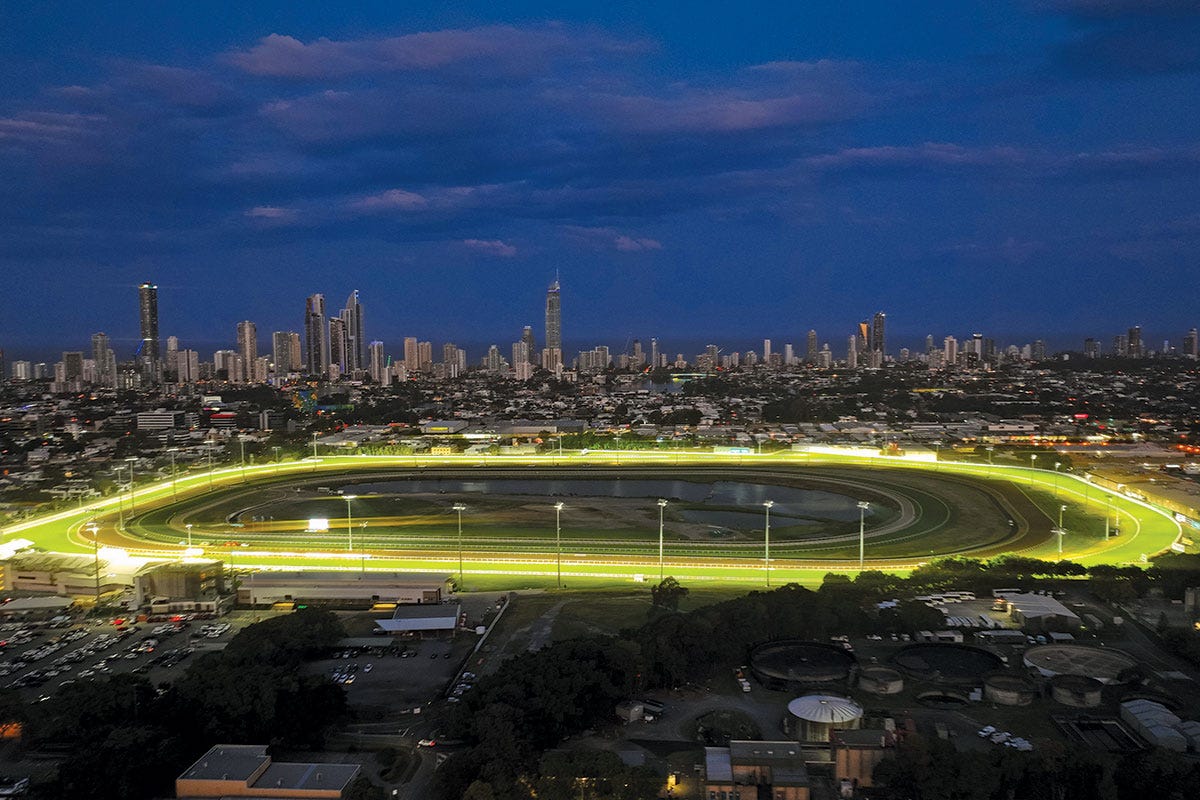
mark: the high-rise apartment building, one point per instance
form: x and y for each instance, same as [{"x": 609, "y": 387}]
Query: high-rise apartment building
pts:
[
  {"x": 655, "y": 357},
  {"x": 377, "y": 364},
  {"x": 949, "y": 352},
  {"x": 149, "y": 352},
  {"x": 352, "y": 319},
  {"x": 852, "y": 351},
  {"x": 789, "y": 355},
  {"x": 285, "y": 355},
  {"x": 553, "y": 325},
  {"x": 316, "y": 336},
  {"x": 412, "y": 355},
  {"x": 1135, "y": 342},
  {"x": 879, "y": 333},
  {"x": 247, "y": 349},
  {"x": 1191, "y": 345},
  {"x": 1091, "y": 348},
  {"x": 337, "y": 346},
  {"x": 187, "y": 363},
  {"x": 530, "y": 343},
  {"x": 106, "y": 362},
  {"x": 810, "y": 347}
]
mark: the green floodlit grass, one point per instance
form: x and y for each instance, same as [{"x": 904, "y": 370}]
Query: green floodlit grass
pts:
[{"x": 1143, "y": 531}]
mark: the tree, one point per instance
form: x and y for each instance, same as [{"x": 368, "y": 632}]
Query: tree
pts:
[{"x": 667, "y": 594}]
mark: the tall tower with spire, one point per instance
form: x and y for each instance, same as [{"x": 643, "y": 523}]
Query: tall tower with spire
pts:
[{"x": 552, "y": 356}]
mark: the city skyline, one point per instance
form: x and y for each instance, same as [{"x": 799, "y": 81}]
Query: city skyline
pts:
[
  {"x": 329, "y": 344},
  {"x": 800, "y": 164}
]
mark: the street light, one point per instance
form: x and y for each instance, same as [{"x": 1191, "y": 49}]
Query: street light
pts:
[
  {"x": 349, "y": 521},
  {"x": 189, "y": 530},
  {"x": 460, "y": 508},
  {"x": 1032, "y": 465},
  {"x": 1057, "y": 464},
  {"x": 662, "y": 504},
  {"x": 767, "y": 504},
  {"x": 862, "y": 532},
  {"x": 558, "y": 507},
  {"x": 1061, "y": 509},
  {"x": 362, "y": 548}
]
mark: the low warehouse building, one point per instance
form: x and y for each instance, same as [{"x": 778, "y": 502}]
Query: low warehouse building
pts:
[
  {"x": 423, "y": 621},
  {"x": 348, "y": 589},
  {"x": 245, "y": 770},
  {"x": 745, "y": 768}
]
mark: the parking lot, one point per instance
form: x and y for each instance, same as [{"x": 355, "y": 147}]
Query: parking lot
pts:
[
  {"x": 390, "y": 676},
  {"x": 38, "y": 659}
]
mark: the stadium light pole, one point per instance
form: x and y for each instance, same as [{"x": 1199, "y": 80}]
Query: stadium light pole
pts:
[
  {"x": 362, "y": 548},
  {"x": 460, "y": 508},
  {"x": 767, "y": 504},
  {"x": 662, "y": 504},
  {"x": 862, "y": 532},
  {"x": 242, "y": 445},
  {"x": 1057, "y": 464},
  {"x": 1032, "y": 466},
  {"x": 558, "y": 507},
  {"x": 349, "y": 522},
  {"x": 132, "y": 500},
  {"x": 1060, "y": 533},
  {"x": 120, "y": 499},
  {"x": 171, "y": 452},
  {"x": 95, "y": 530},
  {"x": 1107, "y": 513},
  {"x": 189, "y": 530},
  {"x": 1061, "y": 509}
]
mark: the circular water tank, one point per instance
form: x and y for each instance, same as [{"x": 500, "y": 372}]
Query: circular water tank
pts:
[
  {"x": 881, "y": 680},
  {"x": 1006, "y": 689},
  {"x": 1076, "y": 691},
  {"x": 816, "y": 716}
]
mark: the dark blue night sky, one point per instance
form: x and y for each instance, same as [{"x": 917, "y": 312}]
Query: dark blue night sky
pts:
[{"x": 696, "y": 171}]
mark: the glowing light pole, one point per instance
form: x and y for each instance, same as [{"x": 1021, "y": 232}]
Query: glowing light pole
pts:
[
  {"x": 1061, "y": 509},
  {"x": 349, "y": 522},
  {"x": 662, "y": 504},
  {"x": 460, "y": 508},
  {"x": 171, "y": 452},
  {"x": 862, "y": 532},
  {"x": 1060, "y": 533},
  {"x": 189, "y": 530},
  {"x": 242, "y": 445},
  {"x": 1107, "y": 513},
  {"x": 558, "y": 507},
  {"x": 767, "y": 504},
  {"x": 1032, "y": 466},
  {"x": 1057, "y": 464},
  {"x": 95, "y": 529},
  {"x": 132, "y": 500}
]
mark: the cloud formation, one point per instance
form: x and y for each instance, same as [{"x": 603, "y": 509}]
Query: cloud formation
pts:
[{"x": 491, "y": 247}]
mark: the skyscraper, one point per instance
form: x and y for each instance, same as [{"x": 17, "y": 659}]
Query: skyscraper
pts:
[
  {"x": 283, "y": 351},
  {"x": 878, "y": 333},
  {"x": 149, "y": 353},
  {"x": 1091, "y": 348},
  {"x": 530, "y": 343},
  {"x": 655, "y": 358},
  {"x": 554, "y": 324},
  {"x": 316, "y": 336},
  {"x": 247, "y": 348},
  {"x": 1191, "y": 345},
  {"x": 377, "y": 365},
  {"x": 106, "y": 362},
  {"x": 1135, "y": 342},
  {"x": 810, "y": 352},
  {"x": 352, "y": 318},
  {"x": 337, "y": 345},
  {"x": 412, "y": 355}
]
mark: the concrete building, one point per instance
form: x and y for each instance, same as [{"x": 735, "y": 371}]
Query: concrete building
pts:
[
  {"x": 245, "y": 770},
  {"x": 357, "y": 589},
  {"x": 173, "y": 587},
  {"x": 744, "y": 769},
  {"x": 1038, "y": 612},
  {"x": 423, "y": 620}
]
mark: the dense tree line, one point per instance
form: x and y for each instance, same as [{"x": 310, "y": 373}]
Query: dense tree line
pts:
[{"x": 126, "y": 740}]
